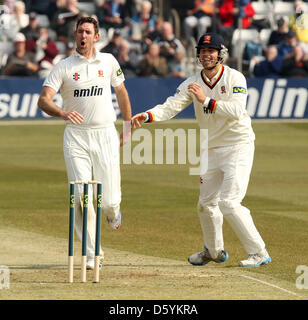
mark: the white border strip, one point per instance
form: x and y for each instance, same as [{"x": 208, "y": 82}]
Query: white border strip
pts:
[{"x": 269, "y": 284}]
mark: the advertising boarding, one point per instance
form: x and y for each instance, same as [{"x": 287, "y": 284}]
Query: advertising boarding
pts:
[{"x": 267, "y": 98}]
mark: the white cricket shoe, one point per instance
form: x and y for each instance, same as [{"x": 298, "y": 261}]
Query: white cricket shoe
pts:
[
  {"x": 115, "y": 223},
  {"x": 204, "y": 257},
  {"x": 90, "y": 264},
  {"x": 256, "y": 260}
]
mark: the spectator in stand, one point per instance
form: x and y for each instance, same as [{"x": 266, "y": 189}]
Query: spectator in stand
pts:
[
  {"x": 153, "y": 65},
  {"x": 64, "y": 20},
  {"x": 279, "y": 36},
  {"x": 20, "y": 15},
  {"x": 299, "y": 9},
  {"x": 169, "y": 45},
  {"x": 229, "y": 12},
  {"x": 200, "y": 18},
  {"x": 271, "y": 66},
  {"x": 286, "y": 49},
  {"x": 45, "y": 51},
  {"x": 296, "y": 65},
  {"x": 21, "y": 63},
  {"x": 299, "y": 23},
  {"x": 132, "y": 7},
  {"x": 143, "y": 23},
  {"x": 12, "y": 23},
  {"x": 99, "y": 11},
  {"x": 128, "y": 59},
  {"x": 114, "y": 14},
  {"x": 9, "y": 6},
  {"x": 155, "y": 35},
  {"x": 40, "y": 6},
  {"x": 31, "y": 31},
  {"x": 178, "y": 66},
  {"x": 113, "y": 46},
  {"x": 69, "y": 49}
]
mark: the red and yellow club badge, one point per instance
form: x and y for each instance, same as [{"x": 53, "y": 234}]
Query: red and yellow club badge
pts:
[
  {"x": 100, "y": 73},
  {"x": 207, "y": 39}
]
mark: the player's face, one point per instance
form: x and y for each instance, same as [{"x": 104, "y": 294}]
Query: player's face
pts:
[
  {"x": 208, "y": 57},
  {"x": 85, "y": 38}
]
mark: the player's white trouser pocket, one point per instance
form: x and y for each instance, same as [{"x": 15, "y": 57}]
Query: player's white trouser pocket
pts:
[{"x": 93, "y": 154}]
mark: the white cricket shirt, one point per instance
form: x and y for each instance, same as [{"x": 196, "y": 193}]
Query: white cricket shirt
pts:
[
  {"x": 85, "y": 86},
  {"x": 223, "y": 112}
]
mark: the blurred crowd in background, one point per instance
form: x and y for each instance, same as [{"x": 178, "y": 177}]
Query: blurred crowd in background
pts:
[{"x": 35, "y": 35}]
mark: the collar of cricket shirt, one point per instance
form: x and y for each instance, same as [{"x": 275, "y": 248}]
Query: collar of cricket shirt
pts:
[
  {"x": 211, "y": 83},
  {"x": 94, "y": 58}
]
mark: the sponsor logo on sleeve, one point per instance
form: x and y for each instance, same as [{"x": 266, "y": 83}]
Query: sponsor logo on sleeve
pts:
[
  {"x": 239, "y": 90},
  {"x": 119, "y": 72}
]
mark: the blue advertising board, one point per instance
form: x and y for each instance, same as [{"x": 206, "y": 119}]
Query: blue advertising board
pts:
[{"x": 270, "y": 98}]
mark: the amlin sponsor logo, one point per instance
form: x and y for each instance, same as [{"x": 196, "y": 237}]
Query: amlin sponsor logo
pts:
[
  {"x": 276, "y": 100},
  {"x": 24, "y": 106}
]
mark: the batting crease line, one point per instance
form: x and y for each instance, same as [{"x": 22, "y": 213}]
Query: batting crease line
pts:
[{"x": 269, "y": 284}]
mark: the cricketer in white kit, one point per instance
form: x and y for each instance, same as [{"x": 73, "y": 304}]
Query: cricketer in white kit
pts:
[
  {"x": 91, "y": 143},
  {"x": 219, "y": 95}
]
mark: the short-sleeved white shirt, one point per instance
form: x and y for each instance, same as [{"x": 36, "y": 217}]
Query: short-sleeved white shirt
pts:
[{"x": 85, "y": 86}]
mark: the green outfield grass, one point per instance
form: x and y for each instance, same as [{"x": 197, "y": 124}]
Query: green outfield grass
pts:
[{"x": 159, "y": 201}]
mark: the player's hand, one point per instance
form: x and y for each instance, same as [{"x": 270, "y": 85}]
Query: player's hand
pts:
[
  {"x": 138, "y": 119},
  {"x": 197, "y": 91},
  {"x": 73, "y": 116}
]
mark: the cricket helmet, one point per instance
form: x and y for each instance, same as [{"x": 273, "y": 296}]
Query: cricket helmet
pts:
[{"x": 213, "y": 40}]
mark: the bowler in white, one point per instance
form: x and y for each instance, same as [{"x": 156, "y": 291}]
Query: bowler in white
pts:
[{"x": 91, "y": 142}]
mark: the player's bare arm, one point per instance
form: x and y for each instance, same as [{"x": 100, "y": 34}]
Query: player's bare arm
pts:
[
  {"x": 124, "y": 102},
  {"x": 126, "y": 111},
  {"x": 47, "y": 105}
]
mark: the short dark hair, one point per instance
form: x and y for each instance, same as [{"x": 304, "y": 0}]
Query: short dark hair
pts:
[{"x": 81, "y": 20}]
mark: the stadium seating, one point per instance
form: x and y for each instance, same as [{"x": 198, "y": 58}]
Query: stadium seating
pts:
[
  {"x": 264, "y": 36},
  {"x": 61, "y": 47},
  {"x": 88, "y": 7},
  {"x": 240, "y": 38},
  {"x": 43, "y": 20},
  {"x": 282, "y": 8},
  {"x": 264, "y": 10}
]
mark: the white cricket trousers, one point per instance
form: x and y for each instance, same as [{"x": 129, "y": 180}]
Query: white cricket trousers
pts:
[
  {"x": 93, "y": 154},
  {"x": 222, "y": 190}
]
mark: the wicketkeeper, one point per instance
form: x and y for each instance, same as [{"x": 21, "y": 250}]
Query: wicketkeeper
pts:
[{"x": 219, "y": 95}]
